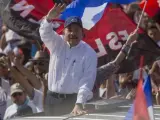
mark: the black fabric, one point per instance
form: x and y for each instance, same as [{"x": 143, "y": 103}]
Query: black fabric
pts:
[
  {"x": 58, "y": 95},
  {"x": 145, "y": 46},
  {"x": 20, "y": 25}
]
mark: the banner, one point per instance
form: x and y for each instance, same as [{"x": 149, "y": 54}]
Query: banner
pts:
[
  {"x": 111, "y": 32},
  {"x": 107, "y": 36}
]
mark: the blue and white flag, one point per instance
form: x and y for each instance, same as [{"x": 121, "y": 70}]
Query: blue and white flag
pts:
[{"x": 90, "y": 11}]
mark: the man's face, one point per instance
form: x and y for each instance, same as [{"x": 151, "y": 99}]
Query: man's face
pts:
[
  {"x": 73, "y": 34},
  {"x": 19, "y": 98},
  {"x": 154, "y": 34}
]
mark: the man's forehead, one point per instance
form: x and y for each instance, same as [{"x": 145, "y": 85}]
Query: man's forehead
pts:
[{"x": 74, "y": 25}]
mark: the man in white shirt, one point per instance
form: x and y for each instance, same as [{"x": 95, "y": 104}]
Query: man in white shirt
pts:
[
  {"x": 21, "y": 104},
  {"x": 72, "y": 69}
]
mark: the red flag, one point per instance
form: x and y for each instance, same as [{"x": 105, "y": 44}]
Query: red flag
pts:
[
  {"x": 140, "y": 105},
  {"x": 113, "y": 29},
  {"x": 152, "y": 7},
  {"x": 140, "y": 109}
]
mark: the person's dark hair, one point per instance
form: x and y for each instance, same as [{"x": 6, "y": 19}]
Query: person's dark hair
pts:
[
  {"x": 151, "y": 24},
  {"x": 132, "y": 9}
]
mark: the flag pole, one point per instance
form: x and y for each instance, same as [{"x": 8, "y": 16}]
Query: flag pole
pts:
[
  {"x": 142, "y": 15},
  {"x": 139, "y": 22}
]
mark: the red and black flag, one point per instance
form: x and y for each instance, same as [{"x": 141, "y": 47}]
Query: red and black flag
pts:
[{"x": 24, "y": 16}]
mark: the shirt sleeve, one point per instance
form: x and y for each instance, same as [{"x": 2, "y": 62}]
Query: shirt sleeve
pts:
[
  {"x": 105, "y": 71},
  {"x": 87, "y": 81},
  {"x": 51, "y": 39},
  {"x": 38, "y": 99}
]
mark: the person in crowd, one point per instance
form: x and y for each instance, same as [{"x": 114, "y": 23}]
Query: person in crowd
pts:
[
  {"x": 34, "y": 84},
  {"x": 155, "y": 79},
  {"x": 134, "y": 12},
  {"x": 40, "y": 69},
  {"x": 3, "y": 102},
  {"x": 153, "y": 32},
  {"x": 124, "y": 83},
  {"x": 6, "y": 79},
  {"x": 108, "y": 89},
  {"x": 21, "y": 104},
  {"x": 73, "y": 65}
]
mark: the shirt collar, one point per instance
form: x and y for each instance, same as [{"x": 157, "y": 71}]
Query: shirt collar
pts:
[{"x": 77, "y": 46}]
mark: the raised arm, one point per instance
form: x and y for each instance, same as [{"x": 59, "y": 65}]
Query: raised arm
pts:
[
  {"x": 30, "y": 76},
  {"x": 51, "y": 39},
  {"x": 18, "y": 77},
  {"x": 107, "y": 70}
]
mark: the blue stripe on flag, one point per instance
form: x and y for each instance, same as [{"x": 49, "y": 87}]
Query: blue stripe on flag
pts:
[
  {"x": 147, "y": 90},
  {"x": 90, "y": 11},
  {"x": 121, "y": 1},
  {"x": 77, "y": 7}
]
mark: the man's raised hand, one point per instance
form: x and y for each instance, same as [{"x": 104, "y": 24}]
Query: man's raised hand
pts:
[{"x": 55, "y": 11}]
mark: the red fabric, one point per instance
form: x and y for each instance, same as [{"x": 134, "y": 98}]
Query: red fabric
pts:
[
  {"x": 140, "y": 106},
  {"x": 42, "y": 7},
  {"x": 113, "y": 20},
  {"x": 151, "y": 8}
]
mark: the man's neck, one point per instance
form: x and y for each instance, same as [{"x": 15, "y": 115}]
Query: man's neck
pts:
[{"x": 24, "y": 103}]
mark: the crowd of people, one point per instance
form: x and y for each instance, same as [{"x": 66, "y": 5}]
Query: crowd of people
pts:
[{"x": 57, "y": 76}]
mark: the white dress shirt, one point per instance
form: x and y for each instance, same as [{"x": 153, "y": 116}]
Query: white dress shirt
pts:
[{"x": 71, "y": 70}]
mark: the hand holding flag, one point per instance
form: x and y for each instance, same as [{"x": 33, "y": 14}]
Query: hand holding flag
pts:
[{"x": 132, "y": 37}]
